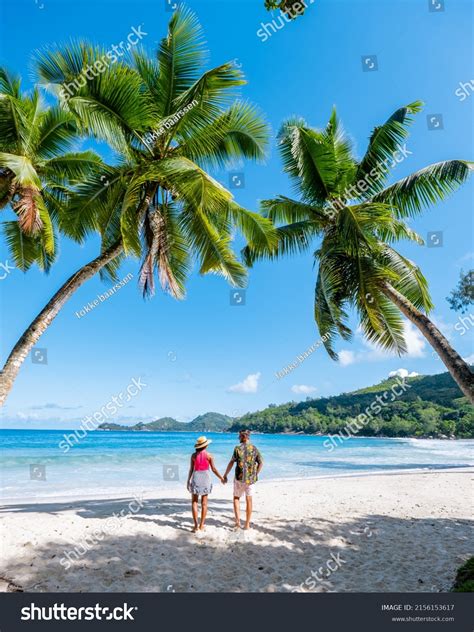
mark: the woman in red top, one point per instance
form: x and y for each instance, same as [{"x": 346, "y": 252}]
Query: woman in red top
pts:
[{"x": 199, "y": 480}]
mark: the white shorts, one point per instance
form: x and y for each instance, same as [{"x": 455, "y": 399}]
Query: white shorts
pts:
[{"x": 242, "y": 488}]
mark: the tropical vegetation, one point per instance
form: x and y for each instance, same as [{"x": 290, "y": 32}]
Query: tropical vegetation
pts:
[
  {"x": 292, "y": 8},
  {"x": 37, "y": 169},
  {"x": 432, "y": 406},
  {"x": 464, "y": 581},
  {"x": 158, "y": 201},
  {"x": 345, "y": 202},
  {"x": 209, "y": 422},
  {"x": 463, "y": 295}
]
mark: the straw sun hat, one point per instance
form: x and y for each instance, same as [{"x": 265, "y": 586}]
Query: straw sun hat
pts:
[{"x": 202, "y": 442}]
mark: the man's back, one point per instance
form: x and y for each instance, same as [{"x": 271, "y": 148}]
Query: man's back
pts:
[{"x": 247, "y": 458}]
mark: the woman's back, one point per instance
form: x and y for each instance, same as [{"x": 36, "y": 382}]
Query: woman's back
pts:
[{"x": 201, "y": 462}]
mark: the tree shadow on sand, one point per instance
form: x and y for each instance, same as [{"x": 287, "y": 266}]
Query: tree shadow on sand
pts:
[{"x": 153, "y": 550}]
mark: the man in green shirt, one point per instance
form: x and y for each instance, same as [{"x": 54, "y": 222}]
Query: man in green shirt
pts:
[{"x": 248, "y": 465}]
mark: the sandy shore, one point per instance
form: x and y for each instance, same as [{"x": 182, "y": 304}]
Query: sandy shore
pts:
[{"x": 394, "y": 532}]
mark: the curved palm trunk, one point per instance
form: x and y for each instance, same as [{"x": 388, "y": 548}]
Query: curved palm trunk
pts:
[
  {"x": 459, "y": 369},
  {"x": 51, "y": 310},
  {"x": 46, "y": 316}
]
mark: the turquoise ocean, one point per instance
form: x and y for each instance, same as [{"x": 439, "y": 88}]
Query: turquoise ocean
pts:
[{"x": 33, "y": 465}]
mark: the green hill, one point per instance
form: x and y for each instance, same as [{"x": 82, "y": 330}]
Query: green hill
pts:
[
  {"x": 209, "y": 422},
  {"x": 430, "y": 406}
]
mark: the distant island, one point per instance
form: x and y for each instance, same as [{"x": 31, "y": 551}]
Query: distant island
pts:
[
  {"x": 210, "y": 422},
  {"x": 431, "y": 406}
]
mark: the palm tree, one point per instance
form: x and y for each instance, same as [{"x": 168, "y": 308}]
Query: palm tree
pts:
[
  {"x": 463, "y": 295},
  {"x": 36, "y": 174},
  {"x": 346, "y": 203},
  {"x": 167, "y": 120},
  {"x": 292, "y": 8},
  {"x": 35, "y": 171}
]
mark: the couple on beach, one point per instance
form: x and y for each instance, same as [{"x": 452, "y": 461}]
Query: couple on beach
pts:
[{"x": 248, "y": 465}]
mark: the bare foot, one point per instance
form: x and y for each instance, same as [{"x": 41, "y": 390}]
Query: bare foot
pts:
[
  {"x": 237, "y": 525},
  {"x": 195, "y": 529},
  {"x": 202, "y": 528},
  {"x": 247, "y": 527}
]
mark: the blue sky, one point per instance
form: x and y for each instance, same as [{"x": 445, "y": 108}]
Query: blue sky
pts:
[{"x": 190, "y": 353}]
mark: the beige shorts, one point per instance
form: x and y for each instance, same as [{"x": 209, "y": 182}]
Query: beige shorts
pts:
[{"x": 242, "y": 488}]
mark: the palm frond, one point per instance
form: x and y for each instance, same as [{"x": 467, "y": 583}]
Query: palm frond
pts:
[
  {"x": 408, "y": 279},
  {"x": 330, "y": 296},
  {"x": 181, "y": 57},
  {"x": 390, "y": 335},
  {"x": 423, "y": 188},
  {"x": 239, "y": 132},
  {"x": 308, "y": 158},
  {"x": 28, "y": 249},
  {"x": 284, "y": 209},
  {"x": 259, "y": 232},
  {"x": 55, "y": 133},
  {"x": 73, "y": 167},
  {"x": 384, "y": 141},
  {"x": 166, "y": 250},
  {"x": 292, "y": 239},
  {"x": 27, "y": 206}
]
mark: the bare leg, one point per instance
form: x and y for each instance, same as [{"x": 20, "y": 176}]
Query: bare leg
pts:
[
  {"x": 203, "y": 511},
  {"x": 248, "y": 515},
  {"x": 237, "y": 511},
  {"x": 194, "y": 506}
]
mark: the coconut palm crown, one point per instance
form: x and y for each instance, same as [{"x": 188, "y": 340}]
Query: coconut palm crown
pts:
[
  {"x": 347, "y": 204},
  {"x": 168, "y": 120},
  {"x": 36, "y": 170}
]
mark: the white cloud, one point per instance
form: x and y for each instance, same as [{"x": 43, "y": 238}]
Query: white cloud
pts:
[
  {"x": 347, "y": 357},
  {"x": 414, "y": 340},
  {"x": 415, "y": 343},
  {"x": 447, "y": 329},
  {"x": 402, "y": 373},
  {"x": 303, "y": 389},
  {"x": 20, "y": 415},
  {"x": 249, "y": 385},
  {"x": 53, "y": 406},
  {"x": 469, "y": 359}
]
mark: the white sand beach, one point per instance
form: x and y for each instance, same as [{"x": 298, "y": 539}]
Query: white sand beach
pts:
[{"x": 380, "y": 532}]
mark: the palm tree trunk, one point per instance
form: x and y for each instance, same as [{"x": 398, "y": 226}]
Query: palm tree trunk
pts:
[
  {"x": 51, "y": 310},
  {"x": 459, "y": 369},
  {"x": 46, "y": 316}
]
